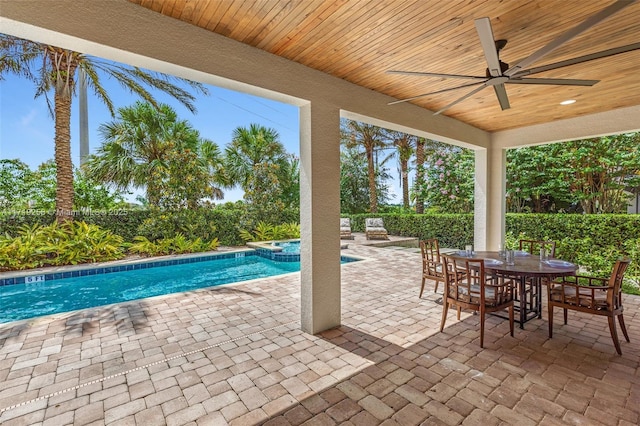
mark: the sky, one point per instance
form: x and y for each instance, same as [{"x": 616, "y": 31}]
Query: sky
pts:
[{"x": 27, "y": 128}]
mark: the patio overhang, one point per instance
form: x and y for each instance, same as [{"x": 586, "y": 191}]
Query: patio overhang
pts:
[{"x": 126, "y": 32}]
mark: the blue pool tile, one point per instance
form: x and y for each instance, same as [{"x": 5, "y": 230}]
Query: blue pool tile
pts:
[{"x": 277, "y": 256}]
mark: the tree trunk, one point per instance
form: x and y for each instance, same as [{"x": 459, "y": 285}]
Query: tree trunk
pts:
[
  {"x": 64, "y": 166},
  {"x": 373, "y": 195},
  {"x": 404, "y": 166},
  {"x": 419, "y": 174},
  {"x": 64, "y": 67}
]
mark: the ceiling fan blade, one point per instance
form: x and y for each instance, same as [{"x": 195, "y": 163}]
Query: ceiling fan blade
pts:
[
  {"x": 585, "y": 25},
  {"x": 501, "y": 93},
  {"x": 436, "y": 92},
  {"x": 435, "y": 74},
  {"x": 483, "y": 26},
  {"x": 553, "y": 81},
  {"x": 468, "y": 95},
  {"x": 580, "y": 59}
]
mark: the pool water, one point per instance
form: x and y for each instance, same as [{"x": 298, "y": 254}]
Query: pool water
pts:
[
  {"x": 21, "y": 301},
  {"x": 289, "y": 246}
]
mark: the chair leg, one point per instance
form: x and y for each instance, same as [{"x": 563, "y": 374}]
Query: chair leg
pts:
[
  {"x": 435, "y": 290},
  {"x": 565, "y": 316},
  {"x": 511, "y": 319},
  {"x": 422, "y": 287},
  {"x": 459, "y": 309},
  {"x": 482, "y": 328},
  {"x": 623, "y": 327},
  {"x": 550, "y": 320},
  {"x": 614, "y": 334},
  {"x": 445, "y": 308}
]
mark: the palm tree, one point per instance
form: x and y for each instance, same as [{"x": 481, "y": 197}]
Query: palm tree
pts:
[
  {"x": 371, "y": 138},
  {"x": 419, "y": 174},
  {"x": 249, "y": 148},
  {"x": 151, "y": 148},
  {"x": 404, "y": 144},
  {"x": 53, "y": 69}
]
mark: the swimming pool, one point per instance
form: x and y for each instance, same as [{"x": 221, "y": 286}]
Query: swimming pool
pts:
[{"x": 54, "y": 293}]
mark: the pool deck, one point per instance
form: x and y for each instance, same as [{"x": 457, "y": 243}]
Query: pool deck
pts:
[{"x": 236, "y": 355}]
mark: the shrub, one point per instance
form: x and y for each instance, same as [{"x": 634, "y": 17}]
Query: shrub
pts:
[
  {"x": 268, "y": 232},
  {"x": 54, "y": 245},
  {"x": 191, "y": 224},
  {"x": 178, "y": 244}
]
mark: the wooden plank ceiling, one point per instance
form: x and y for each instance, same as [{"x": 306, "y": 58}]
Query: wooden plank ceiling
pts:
[{"x": 359, "y": 40}]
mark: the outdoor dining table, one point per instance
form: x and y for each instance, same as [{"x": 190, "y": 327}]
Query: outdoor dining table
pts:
[{"x": 528, "y": 271}]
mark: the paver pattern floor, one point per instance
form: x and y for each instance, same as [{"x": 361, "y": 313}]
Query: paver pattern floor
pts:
[{"x": 236, "y": 355}]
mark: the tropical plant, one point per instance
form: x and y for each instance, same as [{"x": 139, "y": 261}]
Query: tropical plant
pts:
[
  {"x": 602, "y": 169},
  {"x": 405, "y": 147},
  {"x": 23, "y": 188},
  {"x": 179, "y": 244},
  {"x": 289, "y": 179},
  {"x": 58, "y": 244},
  {"x": 14, "y": 178},
  {"x": 449, "y": 185},
  {"x": 268, "y": 232},
  {"x": 263, "y": 194},
  {"x": 249, "y": 148},
  {"x": 371, "y": 139},
  {"x": 354, "y": 190},
  {"x": 150, "y": 148},
  {"x": 592, "y": 176},
  {"x": 163, "y": 224},
  {"x": 53, "y": 69},
  {"x": 536, "y": 179},
  {"x": 420, "y": 145}
]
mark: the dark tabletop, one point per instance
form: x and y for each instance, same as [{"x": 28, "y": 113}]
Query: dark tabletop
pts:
[{"x": 528, "y": 265}]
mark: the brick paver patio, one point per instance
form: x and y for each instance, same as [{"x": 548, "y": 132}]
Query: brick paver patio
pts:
[{"x": 236, "y": 355}]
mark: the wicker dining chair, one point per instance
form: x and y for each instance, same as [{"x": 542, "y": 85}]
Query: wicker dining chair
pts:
[
  {"x": 534, "y": 246},
  {"x": 473, "y": 289},
  {"x": 591, "y": 295},
  {"x": 432, "y": 268}
]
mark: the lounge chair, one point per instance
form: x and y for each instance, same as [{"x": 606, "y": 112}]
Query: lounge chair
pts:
[
  {"x": 345, "y": 228},
  {"x": 374, "y": 228}
]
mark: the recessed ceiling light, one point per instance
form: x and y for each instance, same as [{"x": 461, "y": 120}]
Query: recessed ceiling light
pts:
[{"x": 568, "y": 102}]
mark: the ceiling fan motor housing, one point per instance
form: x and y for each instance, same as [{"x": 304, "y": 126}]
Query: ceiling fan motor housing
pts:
[{"x": 503, "y": 67}]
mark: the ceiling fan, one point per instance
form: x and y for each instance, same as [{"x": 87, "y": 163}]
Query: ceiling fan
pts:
[{"x": 499, "y": 73}]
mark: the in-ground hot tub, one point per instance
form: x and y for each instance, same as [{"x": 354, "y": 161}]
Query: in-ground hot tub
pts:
[{"x": 285, "y": 250}]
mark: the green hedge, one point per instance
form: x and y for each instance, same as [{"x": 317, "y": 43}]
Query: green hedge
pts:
[
  {"x": 452, "y": 230},
  {"x": 227, "y": 219},
  {"x": 121, "y": 222},
  {"x": 592, "y": 241},
  {"x": 456, "y": 230}
]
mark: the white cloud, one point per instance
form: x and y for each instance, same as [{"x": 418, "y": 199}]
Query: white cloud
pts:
[{"x": 27, "y": 119}]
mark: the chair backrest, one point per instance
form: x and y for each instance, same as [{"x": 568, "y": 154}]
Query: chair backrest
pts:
[
  {"x": 431, "y": 262},
  {"x": 615, "y": 281},
  {"x": 534, "y": 246},
  {"x": 345, "y": 222},
  {"x": 374, "y": 222},
  {"x": 464, "y": 280}
]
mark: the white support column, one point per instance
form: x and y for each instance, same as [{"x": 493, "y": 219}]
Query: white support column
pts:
[
  {"x": 489, "y": 204},
  {"x": 319, "y": 217}
]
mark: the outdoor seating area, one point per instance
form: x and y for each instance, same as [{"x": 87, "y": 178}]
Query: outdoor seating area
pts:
[
  {"x": 374, "y": 229},
  {"x": 236, "y": 355}
]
